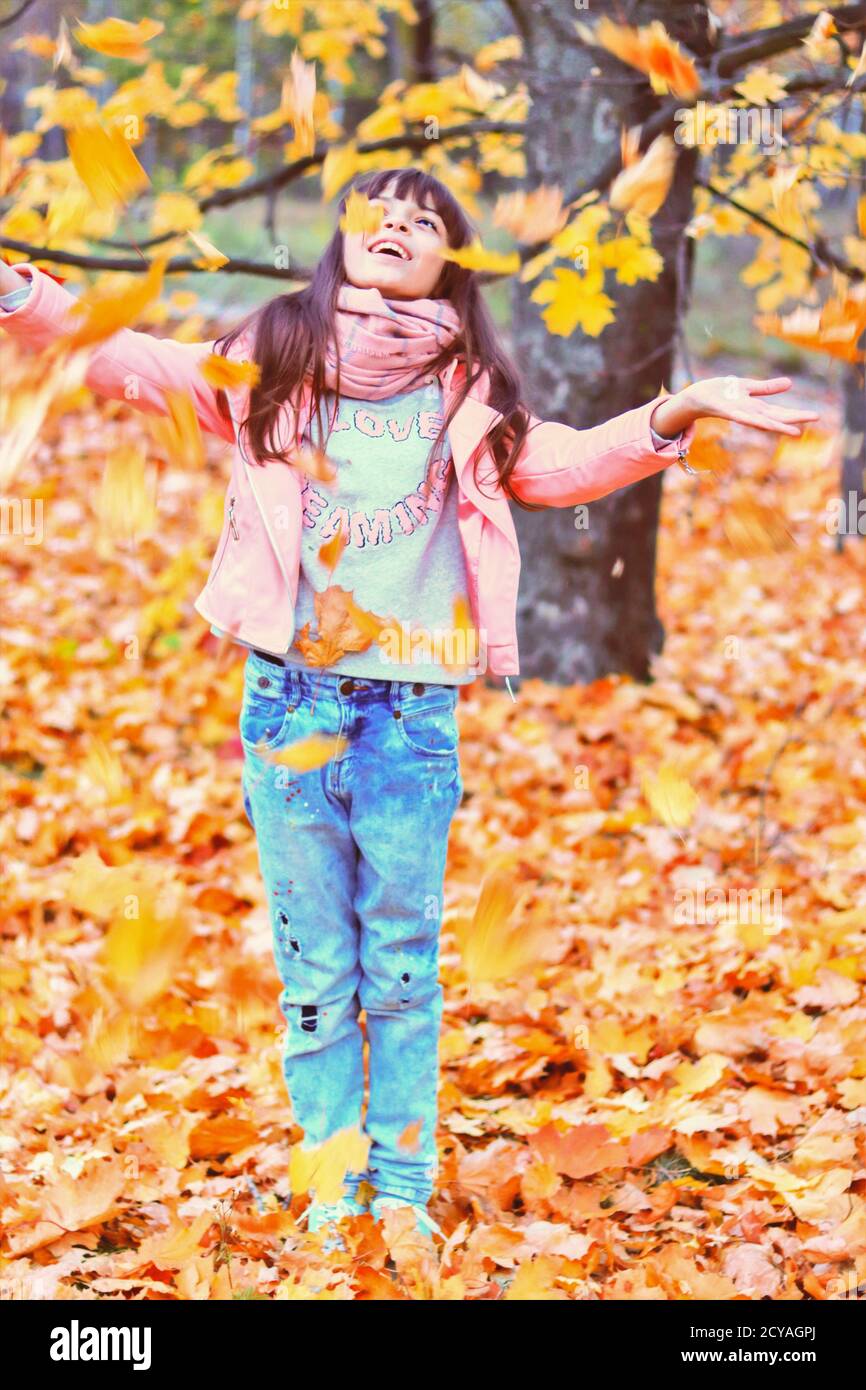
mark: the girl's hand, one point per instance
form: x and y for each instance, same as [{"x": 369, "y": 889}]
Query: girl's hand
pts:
[{"x": 738, "y": 398}]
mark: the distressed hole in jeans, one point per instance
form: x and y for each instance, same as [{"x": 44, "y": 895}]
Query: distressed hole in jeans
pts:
[
  {"x": 405, "y": 977},
  {"x": 309, "y": 1018}
]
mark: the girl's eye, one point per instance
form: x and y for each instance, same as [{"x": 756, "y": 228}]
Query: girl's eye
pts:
[{"x": 429, "y": 221}]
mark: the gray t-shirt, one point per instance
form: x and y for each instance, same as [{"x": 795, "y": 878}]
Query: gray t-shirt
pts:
[{"x": 403, "y": 559}]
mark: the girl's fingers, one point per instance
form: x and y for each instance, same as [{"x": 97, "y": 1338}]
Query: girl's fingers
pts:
[
  {"x": 763, "y": 422},
  {"x": 781, "y": 412},
  {"x": 768, "y": 387}
]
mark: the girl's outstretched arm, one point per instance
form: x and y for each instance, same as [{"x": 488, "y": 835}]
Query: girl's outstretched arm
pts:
[
  {"x": 129, "y": 366},
  {"x": 561, "y": 467}
]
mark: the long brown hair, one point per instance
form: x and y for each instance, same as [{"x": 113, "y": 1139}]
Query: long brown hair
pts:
[{"x": 291, "y": 333}]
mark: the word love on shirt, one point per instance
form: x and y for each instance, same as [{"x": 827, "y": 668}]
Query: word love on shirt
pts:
[{"x": 429, "y": 423}]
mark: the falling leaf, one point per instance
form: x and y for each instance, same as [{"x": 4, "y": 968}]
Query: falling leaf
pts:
[
  {"x": 331, "y": 552},
  {"x": 754, "y": 529},
  {"x": 118, "y": 38},
  {"x": 27, "y": 399},
  {"x": 126, "y": 502},
  {"x": 100, "y": 312},
  {"x": 106, "y": 164},
  {"x": 475, "y": 257},
  {"x": 178, "y": 434},
  {"x": 315, "y": 464},
  {"x": 342, "y": 627},
  {"x": 361, "y": 215},
  {"x": 531, "y": 217},
  {"x": 643, "y": 186},
  {"x": 299, "y": 97},
  {"x": 321, "y": 1169},
  {"x": 495, "y": 944},
  {"x": 224, "y": 373},
  {"x": 211, "y": 258},
  {"x": 309, "y": 753},
  {"x": 835, "y": 328},
  {"x": 651, "y": 50}
]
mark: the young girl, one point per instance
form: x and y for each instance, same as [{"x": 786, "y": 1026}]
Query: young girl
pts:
[{"x": 389, "y": 361}]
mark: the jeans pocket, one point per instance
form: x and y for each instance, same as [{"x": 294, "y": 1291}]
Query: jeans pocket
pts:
[
  {"x": 428, "y": 725},
  {"x": 264, "y": 718}
]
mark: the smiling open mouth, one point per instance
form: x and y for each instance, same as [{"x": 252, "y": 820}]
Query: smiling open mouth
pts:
[{"x": 389, "y": 248}]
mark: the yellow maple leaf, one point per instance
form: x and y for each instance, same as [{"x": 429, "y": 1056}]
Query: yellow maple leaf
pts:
[
  {"x": 631, "y": 260},
  {"x": 574, "y": 300},
  {"x": 176, "y": 1247},
  {"x": 361, "y": 215},
  {"x": 476, "y": 257},
  {"x": 118, "y": 38},
  {"x": 762, "y": 86},
  {"x": 106, "y": 163},
  {"x": 670, "y": 796},
  {"x": 535, "y": 1280}
]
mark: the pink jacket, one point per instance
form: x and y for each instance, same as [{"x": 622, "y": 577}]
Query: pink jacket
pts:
[{"x": 253, "y": 582}]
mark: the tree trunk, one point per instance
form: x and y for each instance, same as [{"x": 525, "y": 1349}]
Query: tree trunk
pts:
[
  {"x": 854, "y": 452},
  {"x": 424, "y": 41},
  {"x": 587, "y": 604}
]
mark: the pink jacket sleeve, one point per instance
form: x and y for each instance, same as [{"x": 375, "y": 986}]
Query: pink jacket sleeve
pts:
[
  {"x": 559, "y": 466},
  {"x": 130, "y": 366}
]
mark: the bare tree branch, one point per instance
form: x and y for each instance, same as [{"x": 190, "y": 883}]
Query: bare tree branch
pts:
[
  {"x": 767, "y": 43},
  {"x": 177, "y": 265},
  {"x": 271, "y": 183},
  {"x": 16, "y": 14}
]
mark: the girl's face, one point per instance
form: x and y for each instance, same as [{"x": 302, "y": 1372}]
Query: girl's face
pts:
[{"x": 410, "y": 272}]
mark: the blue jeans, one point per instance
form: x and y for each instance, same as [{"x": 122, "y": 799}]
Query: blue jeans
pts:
[{"x": 353, "y": 859}]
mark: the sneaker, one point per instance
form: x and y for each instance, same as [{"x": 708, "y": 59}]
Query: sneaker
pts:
[
  {"x": 424, "y": 1223},
  {"x": 328, "y": 1215}
]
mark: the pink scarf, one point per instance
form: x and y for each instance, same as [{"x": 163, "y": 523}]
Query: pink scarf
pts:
[{"x": 387, "y": 345}]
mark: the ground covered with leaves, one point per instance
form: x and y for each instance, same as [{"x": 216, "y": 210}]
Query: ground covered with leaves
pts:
[{"x": 653, "y": 1072}]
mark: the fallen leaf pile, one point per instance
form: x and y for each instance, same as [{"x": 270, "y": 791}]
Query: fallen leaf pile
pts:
[{"x": 653, "y": 1075}]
